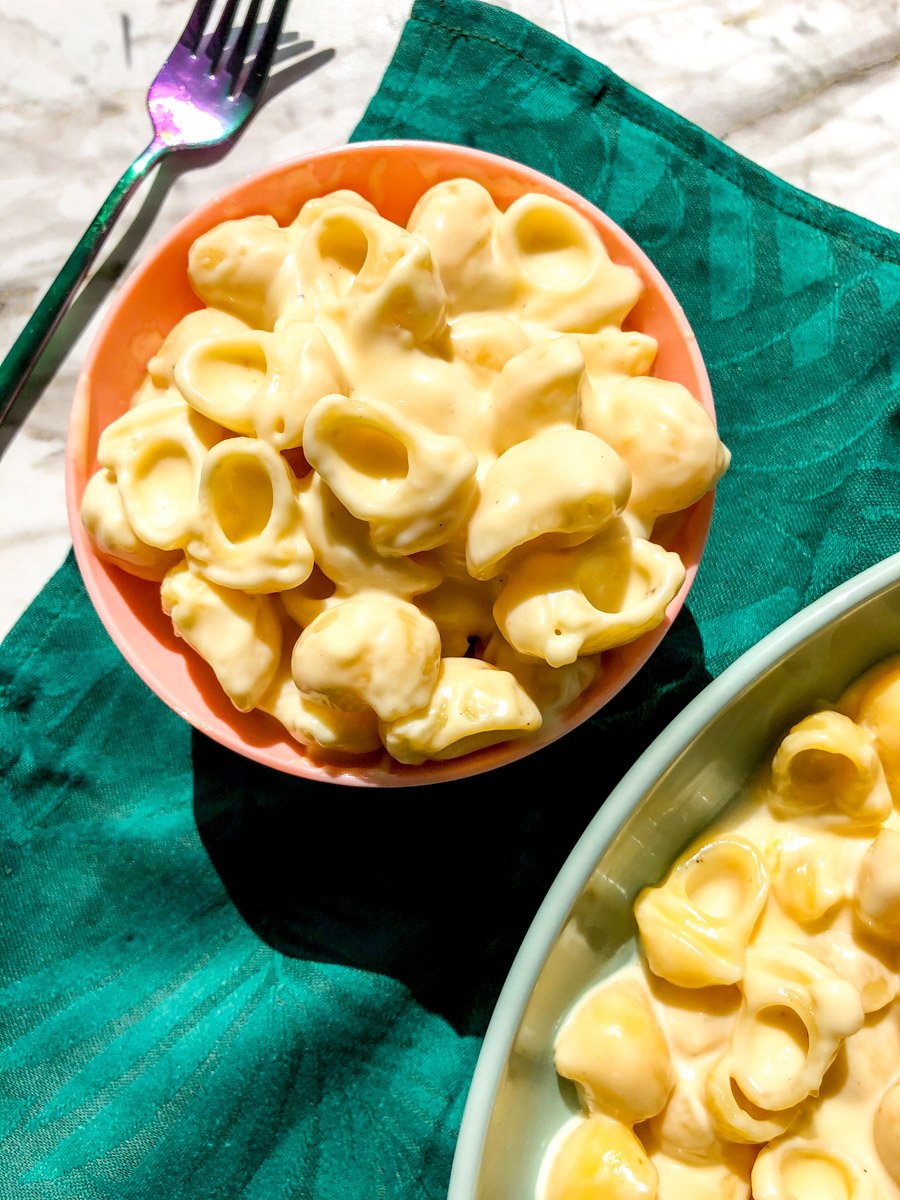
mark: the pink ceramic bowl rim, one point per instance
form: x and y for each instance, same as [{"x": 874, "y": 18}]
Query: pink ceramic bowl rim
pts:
[{"x": 100, "y": 578}]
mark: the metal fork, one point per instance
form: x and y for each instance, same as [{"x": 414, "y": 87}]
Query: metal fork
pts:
[{"x": 204, "y": 93}]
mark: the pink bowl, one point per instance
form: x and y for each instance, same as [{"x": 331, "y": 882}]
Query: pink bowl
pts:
[{"x": 392, "y": 175}]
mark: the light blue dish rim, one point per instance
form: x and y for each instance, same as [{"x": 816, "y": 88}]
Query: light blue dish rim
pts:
[{"x": 598, "y": 835}]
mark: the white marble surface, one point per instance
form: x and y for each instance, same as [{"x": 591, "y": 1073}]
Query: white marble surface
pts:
[{"x": 808, "y": 88}]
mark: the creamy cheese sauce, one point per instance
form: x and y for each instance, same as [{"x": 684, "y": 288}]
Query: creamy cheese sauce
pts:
[
  {"x": 752, "y": 1046},
  {"x": 445, "y": 421}
]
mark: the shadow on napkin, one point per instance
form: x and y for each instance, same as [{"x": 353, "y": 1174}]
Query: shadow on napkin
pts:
[{"x": 434, "y": 886}]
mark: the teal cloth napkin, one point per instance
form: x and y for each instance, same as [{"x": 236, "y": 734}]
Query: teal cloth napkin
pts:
[{"x": 219, "y": 983}]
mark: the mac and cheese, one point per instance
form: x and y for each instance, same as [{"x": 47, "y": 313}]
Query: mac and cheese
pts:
[
  {"x": 752, "y": 1049},
  {"x": 398, "y": 486}
]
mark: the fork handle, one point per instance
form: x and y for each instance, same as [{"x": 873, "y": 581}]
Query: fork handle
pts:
[{"x": 28, "y": 346}]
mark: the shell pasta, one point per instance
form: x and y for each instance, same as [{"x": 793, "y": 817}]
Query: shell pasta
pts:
[
  {"x": 751, "y": 1050},
  {"x": 399, "y": 486}
]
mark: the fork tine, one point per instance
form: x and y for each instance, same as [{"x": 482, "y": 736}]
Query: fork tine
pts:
[
  {"x": 260, "y": 67},
  {"x": 216, "y": 43},
  {"x": 190, "y": 37},
  {"x": 239, "y": 53}
]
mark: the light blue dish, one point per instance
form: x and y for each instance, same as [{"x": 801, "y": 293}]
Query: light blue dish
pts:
[{"x": 585, "y": 928}]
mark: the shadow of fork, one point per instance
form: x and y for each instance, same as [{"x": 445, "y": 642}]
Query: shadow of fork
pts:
[{"x": 98, "y": 287}]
